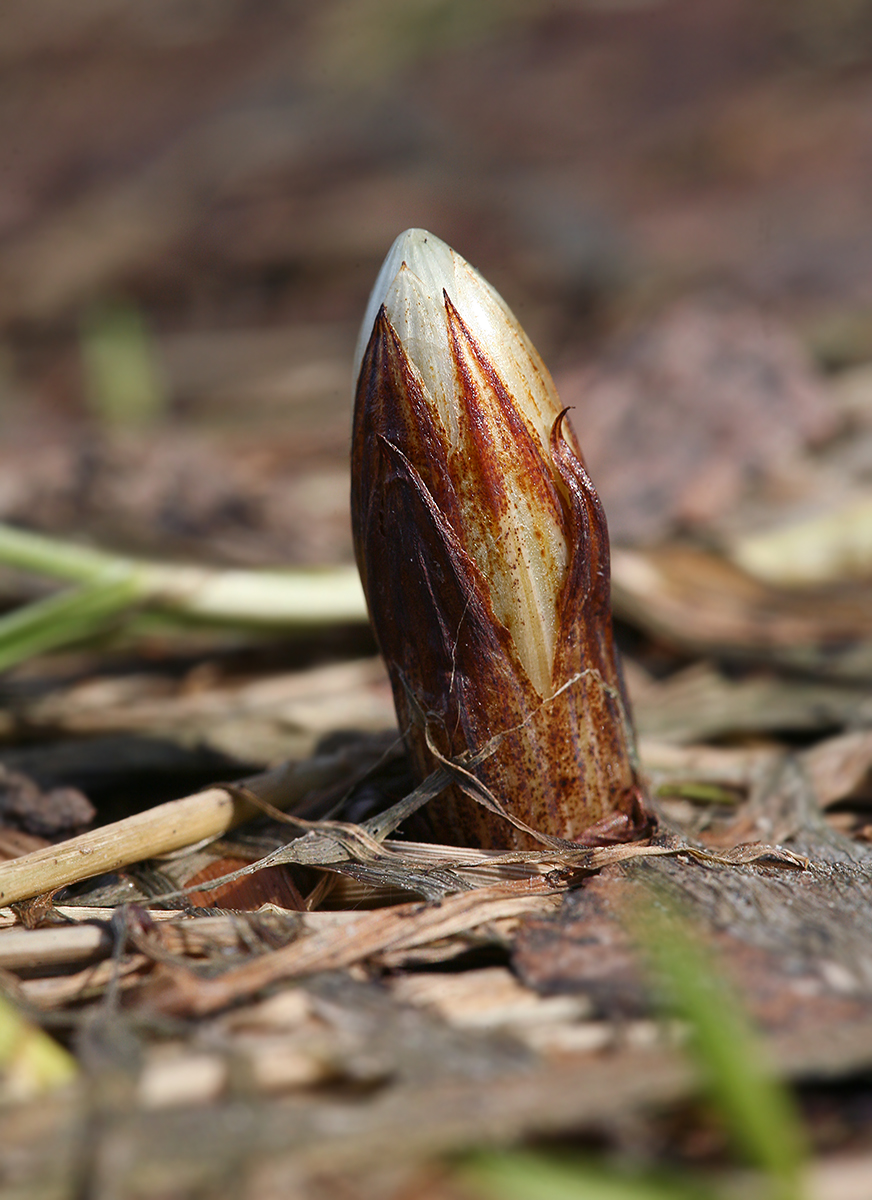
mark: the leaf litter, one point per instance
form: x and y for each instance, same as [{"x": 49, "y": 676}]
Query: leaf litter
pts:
[
  {"x": 183, "y": 969},
  {"x": 137, "y": 946}
]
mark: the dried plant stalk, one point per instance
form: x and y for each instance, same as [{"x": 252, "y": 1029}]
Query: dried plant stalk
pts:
[
  {"x": 484, "y": 556},
  {"x": 164, "y": 828}
]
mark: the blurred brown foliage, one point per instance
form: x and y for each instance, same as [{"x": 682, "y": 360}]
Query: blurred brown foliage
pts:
[{"x": 236, "y": 170}]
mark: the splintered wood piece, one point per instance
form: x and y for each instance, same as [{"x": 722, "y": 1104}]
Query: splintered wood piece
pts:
[{"x": 270, "y": 886}]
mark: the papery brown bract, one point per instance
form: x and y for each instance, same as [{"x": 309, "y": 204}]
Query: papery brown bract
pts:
[{"x": 564, "y": 763}]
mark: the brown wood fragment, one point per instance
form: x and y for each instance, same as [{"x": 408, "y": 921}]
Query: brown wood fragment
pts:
[{"x": 273, "y": 885}]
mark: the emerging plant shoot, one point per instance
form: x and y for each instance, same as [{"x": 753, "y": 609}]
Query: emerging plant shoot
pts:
[{"x": 484, "y": 555}]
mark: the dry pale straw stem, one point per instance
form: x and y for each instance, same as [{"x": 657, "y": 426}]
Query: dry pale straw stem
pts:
[{"x": 484, "y": 555}]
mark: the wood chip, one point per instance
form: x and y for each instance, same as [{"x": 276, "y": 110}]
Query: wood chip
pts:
[{"x": 488, "y": 998}]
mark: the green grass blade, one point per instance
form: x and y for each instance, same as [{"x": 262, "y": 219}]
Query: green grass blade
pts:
[
  {"x": 524, "y": 1176},
  {"x": 70, "y": 616},
  {"x": 755, "y": 1108},
  {"x": 271, "y": 599},
  {"x": 123, "y": 382},
  {"x": 54, "y": 557},
  {"x": 31, "y": 1062}
]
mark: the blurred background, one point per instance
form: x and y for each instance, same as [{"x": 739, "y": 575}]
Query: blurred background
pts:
[{"x": 674, "y": 197}]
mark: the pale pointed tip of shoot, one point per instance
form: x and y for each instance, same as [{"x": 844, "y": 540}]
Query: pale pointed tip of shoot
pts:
[
  {"x": 426, "y": 255},
  {"x": 419, "y": 275},
  {"x": 419, "y": 271}
]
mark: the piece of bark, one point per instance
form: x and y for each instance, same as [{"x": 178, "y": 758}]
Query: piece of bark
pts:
[
  {"x": 270, "y": 886},
  {"x": 841, "y": 767},
  {"x": 796, "y": 943},
  {"x": 298, "y": 1137},
  {"x": 258, "y": 721},
  {"x": 207, "y": 1144},
  {"x": 768, "y": 932},
  {"x": 703, "y": 702}
]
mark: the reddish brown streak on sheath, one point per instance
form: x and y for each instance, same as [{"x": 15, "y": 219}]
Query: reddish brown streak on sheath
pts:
[{"x": 485, "y": 463}]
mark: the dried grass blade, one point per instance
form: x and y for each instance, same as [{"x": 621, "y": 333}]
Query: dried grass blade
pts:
[{"x": 49, "y": 947}]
